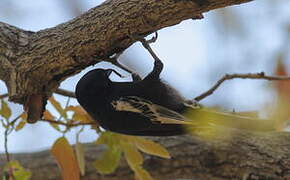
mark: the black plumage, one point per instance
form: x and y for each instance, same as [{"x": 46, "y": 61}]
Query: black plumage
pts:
[{"x": 147, "y": 107}]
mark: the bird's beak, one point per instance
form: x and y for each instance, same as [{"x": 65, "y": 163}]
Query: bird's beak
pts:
[{"x": 109, "y": 72}]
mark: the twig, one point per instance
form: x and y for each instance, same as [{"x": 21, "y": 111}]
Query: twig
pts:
[
  {"x": 67, "y": 124},
  {"x": 3, "y": 95},
  {"x": 65, "y": 93},
  {"x": 146, "y": 45},
  {"x": 14, "y": 120},
  {"x": 260, "y": 75},
  {"x": 114, "y": 60},
  {"x": 8, "y": 130},
  {"x": 6, "y": 144}
]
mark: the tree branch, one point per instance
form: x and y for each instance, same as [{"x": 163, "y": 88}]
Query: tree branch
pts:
[
  {"x": 36, "y": 62},
  {"x": 232, "y": 154},
  {"x": 260, "y": 75},
  {"x": 65, "y": 93}
]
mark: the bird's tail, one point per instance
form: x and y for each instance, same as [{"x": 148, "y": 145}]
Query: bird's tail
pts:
[{"x": 207, "y": 117}]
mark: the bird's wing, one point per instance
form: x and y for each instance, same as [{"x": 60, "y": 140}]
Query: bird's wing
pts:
[{"x": 156, "y": 113}]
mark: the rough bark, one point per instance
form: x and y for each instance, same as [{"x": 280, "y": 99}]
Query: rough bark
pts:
[
  {"x": 34, "y": 63},
  {"x": 233, "y": 154}
]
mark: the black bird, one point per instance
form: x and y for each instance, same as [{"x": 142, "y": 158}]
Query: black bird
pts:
[{"x": 148, "y": 107}]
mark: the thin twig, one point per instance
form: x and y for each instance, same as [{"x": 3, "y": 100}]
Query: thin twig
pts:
[
  {"x": 146, "y": 45},
  {"x": 114, "y": 60},
  {"x": 65, "y": 93},
  {"x": 3, "y": 95},
  {"x": 67, "y": 124},
  {"x": 14, "y": 120},
  {"x": 6, "y": 144},
  {"x": 8, "y": 130},
  {"x": 260, "y": 75}
]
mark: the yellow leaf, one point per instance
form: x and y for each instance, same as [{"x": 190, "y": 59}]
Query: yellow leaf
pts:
[
  {"x": 5, "y": 110},
  {"x": 20, "y": 125},
  {"x": 150, "y": 147},
  {"x": 80, "y": 114},
  {"x": 80, "y": 153},
  {"x": 132, "y": 155},
  {"x": 24, "y": 116},
  {"x": 142, "y": 174},
  {"x": 47, "y": 115},
  {"x": 65, "y": 157},
  {"x": 55, "y": 126},
  {"x": 58, "y": 107}
]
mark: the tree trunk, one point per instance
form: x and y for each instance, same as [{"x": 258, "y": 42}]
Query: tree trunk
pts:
[{"x": 232, "y": 154}]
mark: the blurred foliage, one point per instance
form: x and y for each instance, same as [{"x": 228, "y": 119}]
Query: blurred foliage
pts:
[
  {"x": 71, "y": 161},
  {"x": 14, "y": 171}
]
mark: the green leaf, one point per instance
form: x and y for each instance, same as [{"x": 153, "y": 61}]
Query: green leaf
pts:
[
  {"x": 5, "y": 110},
  {"x": 18, "y": 171},
  {"x": 132, "y": 155},
  {"x": 142, "y": 174},
  {"x": 109, "y": 138},
  {"x": 109, "y": 160}
]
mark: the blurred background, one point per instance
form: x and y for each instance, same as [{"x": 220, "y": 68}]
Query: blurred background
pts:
[{"x": 248, "y": 38}]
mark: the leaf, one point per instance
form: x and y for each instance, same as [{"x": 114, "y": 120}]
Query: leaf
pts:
[
  {"x": 18, "y": 171},
  {"x": 108, "y": 138},
  {"x": 132, "y": 155},
  {"x": 20, "y": 125},
  {"x": 142, "y": 174},
  {"x": 23, "y": 116},
  {"x": 80, "y": 114},
  {"x": 65, "y": 157},
  {"x": 80, "y": 153},
  {"x": 109, "y": 161},
  {"x": 150, "y": 147},
  {"x": 47, "y": 115},
  {"x": 58, "y": 107},
  {"x": 5, "y": 110}
]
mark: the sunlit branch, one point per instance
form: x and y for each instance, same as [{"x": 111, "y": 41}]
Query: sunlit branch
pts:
[{"x": 260, "y": 75}]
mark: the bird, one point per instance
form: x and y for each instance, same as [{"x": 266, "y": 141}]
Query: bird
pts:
[{"x": 146, "y": 107}]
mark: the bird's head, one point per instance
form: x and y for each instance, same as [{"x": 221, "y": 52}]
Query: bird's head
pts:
[{"x": 95, "y": 82}]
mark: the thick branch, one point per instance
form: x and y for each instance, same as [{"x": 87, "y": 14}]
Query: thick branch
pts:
[
  {"x": 35, "y": 63},
  {"x": 231, "y": 155}
]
